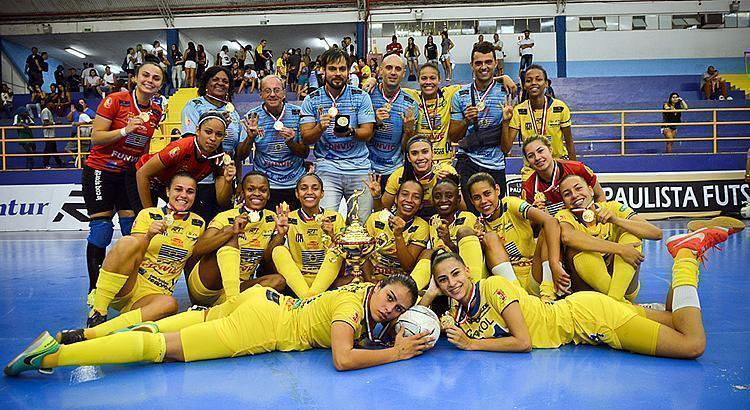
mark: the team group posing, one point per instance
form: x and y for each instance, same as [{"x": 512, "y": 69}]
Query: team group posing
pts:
[{"x": 558, "y": 265}]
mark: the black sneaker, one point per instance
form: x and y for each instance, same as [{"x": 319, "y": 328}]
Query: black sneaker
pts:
[
  {"x": 68, "y": 337},
  {"x": 199, "y": 308},
  {"x": 95, "y": 319}
]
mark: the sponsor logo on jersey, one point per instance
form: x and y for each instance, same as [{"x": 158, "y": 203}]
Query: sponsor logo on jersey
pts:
[{"x": 171, "y": 253}]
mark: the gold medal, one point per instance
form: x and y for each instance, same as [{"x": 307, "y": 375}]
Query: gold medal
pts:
[
  {"x": 539, "y": 196},
  {"x": 278, "y": 125},
  {"x": 226, "y": 159},
  {"x": 387, "y": 106},
  {"x": 447, "y": 321},
  {"x": 229, "y": 107},
  {"x": 384, "y": 216},
  {"x": 169, "y": 219},
  {"x": 588, "y": 216},
  {"x": 333, "y": 111},
  {"x": 253, "y": 216},
  {"x": 319, "y": 218},
  {"x": 144, "y": 116},
  {"x": 435, "y": 221},
  {"x": 481, "y": 106}
]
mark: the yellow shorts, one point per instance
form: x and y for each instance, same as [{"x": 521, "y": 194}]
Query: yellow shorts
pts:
[
  {"x": 250, "y": 328},
  {"x": 141, "y": 289},
  {"x": 200, "y": 294},
  {"x": 597, "y": 317},
  {"x": 526, "y": 279}
]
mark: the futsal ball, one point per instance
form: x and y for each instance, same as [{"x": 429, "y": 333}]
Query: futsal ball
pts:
[{"x": 417, "y": 320}]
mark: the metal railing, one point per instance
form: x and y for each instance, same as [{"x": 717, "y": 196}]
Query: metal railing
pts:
[{"x": 618, "y": 120}]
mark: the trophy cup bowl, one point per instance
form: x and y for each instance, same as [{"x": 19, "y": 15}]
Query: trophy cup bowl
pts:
[{"x": 355, "y": 245}]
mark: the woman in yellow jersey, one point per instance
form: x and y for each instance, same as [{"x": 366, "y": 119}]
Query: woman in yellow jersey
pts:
[
  {"x": 602, "y": 240},
  {"x": 435, "y": 108},
  {"x": 543, "y": 116},
  {"x": 512, "y": 218},
  {"x": 312, "y": 230},
  {"x": 497, "y": 314},
  {"x": 237, "y": 247},
  {"x": 401, "y": 237},
  {"x": 140, "y": 272},
  {"x": 258, "y": 320},
  {"x": 419, "y": 166},
  {"x": 447, "y": 201}
]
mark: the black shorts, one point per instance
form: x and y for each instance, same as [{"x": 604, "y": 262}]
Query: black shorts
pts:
[
  {"x": 105, "y": 191},
  {"x": 292, "y": 77}
]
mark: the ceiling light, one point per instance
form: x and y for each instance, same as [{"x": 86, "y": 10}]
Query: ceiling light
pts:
[{"x": 75, "y": 52}]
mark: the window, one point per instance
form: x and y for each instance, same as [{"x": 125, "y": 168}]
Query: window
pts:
[
  {"x": 571, "y": 23},
  {"x": 376, "y": 29},
  {"x": 547, "y": 25},
  {"x": 743, "y": 19},
  {"x": 533, "y": 25},
  {"x": 685, "y": 21},
  {"x": 519, "y": 25},
  {"x": 505, "y": 26},
  {"x": 468, "y": 27},
  {"x": 665, "y": 22},
  {"x": 428, "y": 28},
  {"x": 613, "y": 23},
  {"x": 454, "y": 28},
  {"x": 389, "y": 29},
  {"x": 408, "y": 29},
  {"x": 487, "y": 27},
  {"x": 713, "y": 20}
]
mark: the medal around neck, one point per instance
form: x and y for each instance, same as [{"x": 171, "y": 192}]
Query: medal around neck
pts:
[
  {"x": 169, "y": 219},
  {"x": 481, "y": 106},
  {"x": 229, "y": 107},
  {"x": 539, "y": 196},
  {"x": 333, "y": 111},
  {"x": 144, "y": 116},
  {"x": 588, "y": 216},
  {"x": 278, "y": 125},
  {"x": 384, "y": 216},
  {"x": 387, "y": 106},
  {"x": 226, "y": 159}
]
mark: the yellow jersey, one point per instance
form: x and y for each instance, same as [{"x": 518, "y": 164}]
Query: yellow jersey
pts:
[
  {"x": 515, "y": 229},
  {"x": 305, "y": 239},
  {"x": 168, "y": 252},
  {"x": 462, "y": 218},
  {"x": 306, "y": 323},
  {"x": 558, "y": 117},
  {"x": 428, "y": 181},
  {"x": 385, "y": 261},
  {"x": 253, "y": 241},
  {"x": 606, "y": 232},
  {"x": 435, "y": 119}
]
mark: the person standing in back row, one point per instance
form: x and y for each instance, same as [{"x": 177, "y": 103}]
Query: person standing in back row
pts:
[{"x": 525, "y": 48}]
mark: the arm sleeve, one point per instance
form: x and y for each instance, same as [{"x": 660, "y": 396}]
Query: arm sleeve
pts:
[
  {"x": 308, "y": 111},
  {"x": 457, "y": 112},
  {"x": 172, "y": 153},
  {"x": 622, "y": 210},
  {"x": 421, "y": 236},
  {"x": 347, "y": 309},
  {"x": 515, "y": 121},
  {"x": 219, "y": 222},
  {"x": 565, "y": 120},
  {"x": 501, "y": 293},
  {"x": 391, "y": 186},
  {"x": 108, "y": 108},
  {"x": 517, "y": 206}
]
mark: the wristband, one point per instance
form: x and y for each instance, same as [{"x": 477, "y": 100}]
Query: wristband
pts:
[{"x": 123, "y": 132}]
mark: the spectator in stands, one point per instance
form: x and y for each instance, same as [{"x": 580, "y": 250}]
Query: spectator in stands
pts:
[
  {"x": 38, "y": 98},
  {"x": 177, "y": 64},
  {"x": 374, "y": 68},
  {"x": 526, "y": 50},
  {"x": 307, "y": 58},
  {"x": 673, "y": 115},
  {"x": 293, "y": 63},
  {"x": 498, "y": 44},
  {"x": 191, "y": 65},
  {"x": 63, "y": 101},
  {"x": 313, "y": 81},
  {"x": 364, "y": 70},
  {"x": 129, "y": 66},
  {"x": 431, "y": 51},
  {"x": 202, "y": 61},
  {"x": 549, "y": 92},
  {"x": 164, "y": 64},
  {"x": 713, "y": 86},
  {"x": 260, "y": 57},
  {"x": 91, "y": 82},
  {"x": 80, "y": 113},
  {"x": 50, "y": 147},
  {"x": 394, "y": 47},
  {"x": 33, "y": 69},
  {"x": 24, "y": 120},
  {"x": 480, "y": 39},
  {"x": 60, "y": 75},
  {"x": 6, "y": 98},
  {"x": 237, "y": 74},
  {"x": 412, "y": 56},
  {"x": 222, "y": 58},
  {"x": 304, "y": 77},
  {"x": 249, "y": 79},
  {"x": 52, "y": 96},
  {"x": 446, "y": 45},
  {"x": 281, "y": 66},
  {"x": 73, "y": 80},
  {"x": 350, "y": 48},
  {"x": 354, "y": 74},
  {"x": 108, "y": 82},
  {"x": 157, "y": 48},
  {"x": 140, "y": 54}
]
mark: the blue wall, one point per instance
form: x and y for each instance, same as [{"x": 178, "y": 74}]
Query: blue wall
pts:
[{"x": 17, "y": 54}]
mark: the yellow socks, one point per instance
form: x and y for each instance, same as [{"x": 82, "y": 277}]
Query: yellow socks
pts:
[
  {"x": 421, "y": 273},
  {"x": 286, "y": 266},
  {"x": 622, "y": 272},
  {"x": 328, "y": 272},
  {"x": 120, "y": 322},
  {"x": 228, "y": 259},
  {"x": 591, "y": 268},
  {"x": 685, "y": 281},
  {"x": 107, "y": 287},
  {"x": 470, "y": 250},
  {"x": 180, "y": 321},
  {"x": 127, "y": 347}
]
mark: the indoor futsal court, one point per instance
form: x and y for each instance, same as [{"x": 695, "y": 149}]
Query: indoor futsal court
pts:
[{"x": 276, "y": 204}]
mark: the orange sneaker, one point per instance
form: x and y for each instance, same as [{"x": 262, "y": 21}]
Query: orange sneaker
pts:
[{"x": 698, "y": 241}]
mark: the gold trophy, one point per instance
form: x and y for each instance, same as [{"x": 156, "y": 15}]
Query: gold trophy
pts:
[{"x": 355, "y": 245}]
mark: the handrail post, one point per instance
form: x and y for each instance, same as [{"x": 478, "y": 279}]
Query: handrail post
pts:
[
  {"x": 622, "y": 132},
  {"x": 78, "y": 142},
  {"x": 716, "y": 143},
  {"x": 2, "y": 137}
]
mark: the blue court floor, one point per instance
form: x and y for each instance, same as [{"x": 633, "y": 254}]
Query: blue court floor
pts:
[{"x": 44, "y": 283}]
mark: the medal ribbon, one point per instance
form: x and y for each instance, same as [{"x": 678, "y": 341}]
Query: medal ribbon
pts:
[
  {"x": 138, "y": 108},
  {"x": 486, "y": 93},
  {"x": 306, "y": 217},
  {"x": 325, "y": 89},
  {"x": 225, "y": 102},
  {"x": 431, "y": 123},
  {"x": 544, "y": 118},
  {"x": 174, "y": 212},
  {"x": 461, "y": 311},
  {"x": 281, "y": 116},
  {"x": 553, "y": 183},
  {"x": 390, "y": 100},
  {"x": 198, "y": 150},
  {"x": 578, "y": 212}
]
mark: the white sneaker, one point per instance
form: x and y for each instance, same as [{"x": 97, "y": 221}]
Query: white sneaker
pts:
[
  {"x": 654, "y": 306},
  {"x": 729, "y": 98},
  {"x": 721, "y": 98}
]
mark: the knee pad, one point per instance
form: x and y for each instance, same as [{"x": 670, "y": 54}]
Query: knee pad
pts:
[
  {"x": 126, "y": 224},
  {"x": 100, "y": 232}
]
